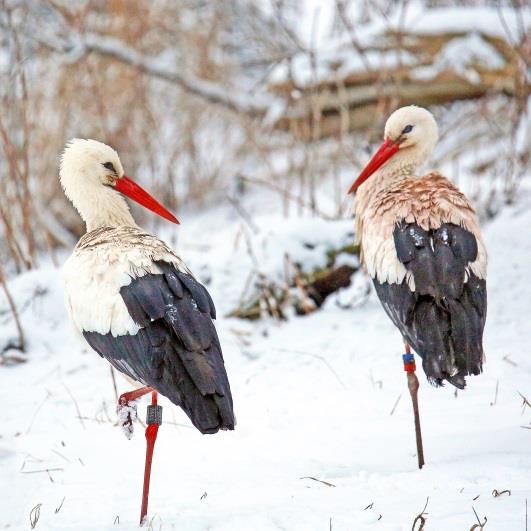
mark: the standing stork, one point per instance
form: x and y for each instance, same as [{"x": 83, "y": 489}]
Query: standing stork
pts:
[
  {"x": 135, "y": 301},
  {"x": 422, "y": 247}
]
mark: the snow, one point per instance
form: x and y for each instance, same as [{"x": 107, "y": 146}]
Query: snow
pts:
[
  {"x": 126, "y": 415},
  {"x": 339, "y": 63},
  {"x": 335, "y": 56},
  {"x": 494, "y": 21},
  {"x": 322, "y": 396},
  {"x": 267, "y": 250},
  {"x": 460, "y": 54}
]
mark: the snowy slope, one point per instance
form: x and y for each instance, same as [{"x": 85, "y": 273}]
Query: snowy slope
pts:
[{"x": 313, "y": 398}]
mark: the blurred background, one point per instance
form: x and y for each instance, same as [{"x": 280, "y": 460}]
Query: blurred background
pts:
[{"x": 207, "y": 101}]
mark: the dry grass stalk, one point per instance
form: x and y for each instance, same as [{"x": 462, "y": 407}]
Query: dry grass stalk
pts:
[
  {"x": 496, "y": 493},
  {"x": 328, "y": 484},
  {"x": 12, "y": 306},
  {"x": 420, "y": 519},
  {"x": 35, "y": 514},
  {"x": 480, "y": 525}
]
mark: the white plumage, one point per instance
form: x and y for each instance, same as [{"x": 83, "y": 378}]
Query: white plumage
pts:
[
  {"x": 104, "y": 261},
  {"x": 114, "y": 250}
]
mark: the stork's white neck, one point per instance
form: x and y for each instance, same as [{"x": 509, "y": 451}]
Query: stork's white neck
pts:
[
  {"x": 392, "y": 171},
  {"x": 114, "y": 216},
  {"x": 102, "y": 207},
  {"x": 403, "y": 164}
]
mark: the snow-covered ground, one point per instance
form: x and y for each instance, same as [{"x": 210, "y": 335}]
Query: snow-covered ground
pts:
[{"x": 321, "y": 397}]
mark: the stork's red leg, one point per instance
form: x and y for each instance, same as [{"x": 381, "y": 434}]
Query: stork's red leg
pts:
[
  {"x": 126, "y": 409},
  {"x": 133, "y": 395},
  {"x": 413, "y": 386},
  {"x": 154, "y": 419}
]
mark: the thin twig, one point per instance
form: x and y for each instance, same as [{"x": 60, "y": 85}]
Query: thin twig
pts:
[
  {"x": 319, "y": 480},
  {"x": 480, "y": 525},
  {"x": 43, "y": 470},
  {"x": 493, "y": 403},
  {"x": 113, "y": 377},
  {"x": 246, "y": 216},
  {"x": 61, "y": 455},
  {"x": 420, "y": 518},
  {"x": 496, "y": 493},
  {"x": 288, "y": 195},
  {"x": 525, "y": 402},
  {"x": 76, "y": 405},
  {"x": 60, "y": 505},
  {"x": 509, "y": 361},
  {"x": 396, "y": 404},
  {"x": 12, "y": 306},
  {"x": 317, "y": 356},
  {"x": 37, "y": 411}
]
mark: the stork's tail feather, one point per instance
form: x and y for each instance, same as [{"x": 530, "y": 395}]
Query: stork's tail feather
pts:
[
  {"x": 438, "y": 378},
  {"x": 205, "y": 397},
  {"x": 448, "y": 338},
  {"x": 457, "y": 380},
  {"x": 446, "y": 332},
  {"x": 210, "y": 414}
]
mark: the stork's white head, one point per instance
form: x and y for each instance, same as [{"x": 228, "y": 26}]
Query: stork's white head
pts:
[
  {"x": 410, "y": 136},
  {"x": 412, "y": 127},
  {"x": 93, "y": 179},
  {"x": 88, "y": 162}
]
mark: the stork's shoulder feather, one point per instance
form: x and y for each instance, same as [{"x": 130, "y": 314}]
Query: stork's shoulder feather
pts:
[
  {"x": 103, "y": 261},
  {"x": 125, "y": 242},
  {"x": 429, "y": 201}
]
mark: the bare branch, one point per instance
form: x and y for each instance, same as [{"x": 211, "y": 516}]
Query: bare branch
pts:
[{"x": 228, "y": 97}]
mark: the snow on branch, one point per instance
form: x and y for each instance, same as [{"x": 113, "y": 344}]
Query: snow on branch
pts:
[
  {"x": 211, "y": 92},
  {"x": 228, "y": 97}
]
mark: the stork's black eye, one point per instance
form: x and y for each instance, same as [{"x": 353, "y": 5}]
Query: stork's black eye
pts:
[
  {"x": 407, "y": 129},
  {"x": 109, "y": 166}
]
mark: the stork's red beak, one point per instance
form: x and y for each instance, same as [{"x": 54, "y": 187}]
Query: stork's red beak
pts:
[
  {"x": 385, "y": 152},
  {"x": 132, "y": 190}
]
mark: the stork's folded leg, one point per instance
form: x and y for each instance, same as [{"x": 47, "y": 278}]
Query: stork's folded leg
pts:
[
  {"x": 133, "y": 395},
  {"x": 413, "y": 386},
  {"x": 126, "y": 409}
]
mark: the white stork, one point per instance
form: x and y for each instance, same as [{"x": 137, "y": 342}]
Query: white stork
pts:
[
  {"x": 134, "y": 300},
  {"x": 422, "y": 247}
]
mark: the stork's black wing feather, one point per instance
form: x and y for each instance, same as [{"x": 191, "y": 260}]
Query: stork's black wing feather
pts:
[
  {"x": 177, "y": 350},
  {"x": 443, "y": 319}
]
